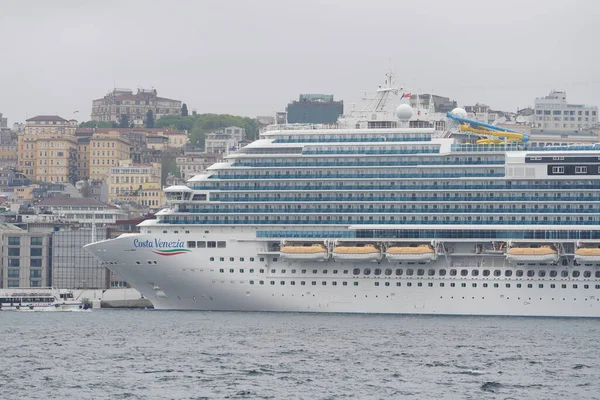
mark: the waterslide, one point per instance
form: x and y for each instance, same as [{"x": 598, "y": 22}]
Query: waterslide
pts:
[{"x": 494, "y": 134}]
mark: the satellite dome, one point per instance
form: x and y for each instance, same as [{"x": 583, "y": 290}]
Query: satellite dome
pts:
[
  {"x": 460, "y": 112},
  {"x": 404, "y": 112}
]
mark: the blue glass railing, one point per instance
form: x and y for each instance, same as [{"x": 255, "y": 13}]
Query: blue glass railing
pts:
[
  {"x": 235, "y": 221},
  {"x": 300, "y": 175},
  {"x": 373, "y": 138},
  {"x": 358, "y": 152},
  {"x": 341, "y": 163},
  {"x": 387, "y": 186},
  {"x": 518, "y": 147},
  {"x": 432, "y": 234},
  {"x": 398, "y": 210},
  {"x": 407, "y": 199}
]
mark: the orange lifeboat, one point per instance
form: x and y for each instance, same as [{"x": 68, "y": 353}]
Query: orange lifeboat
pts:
[
  {"x": 415, "y": 252},
  {"x": 305, "y": 252},
  {"x": 532, "y": 253},
  {"x": 367, "y": 252}
]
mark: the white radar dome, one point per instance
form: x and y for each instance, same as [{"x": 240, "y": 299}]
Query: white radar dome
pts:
[
  {"x": 460, "y": 112},
  {"x": 404, "y": 112}
]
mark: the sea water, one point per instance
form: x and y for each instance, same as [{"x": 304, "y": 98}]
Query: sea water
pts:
[{"x": 143, "y": 354}]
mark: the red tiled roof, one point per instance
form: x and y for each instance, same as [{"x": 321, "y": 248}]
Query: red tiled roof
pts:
[{"x": 47, "y": 118}]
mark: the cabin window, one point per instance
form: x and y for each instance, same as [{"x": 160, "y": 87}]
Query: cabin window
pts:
[
  {"x": 576, "y": 274},
  {"x": 211, "y": 245},
  {"x": 191, "y": 244},
  {"x": 410, "y": 272},
  {"x": 377, "y": 271},
  {"x": 200, "y": 245},
  {"x": 221, "y": 244},
  {"x": 442, "y": 272},
  {"x": 367, "y": 271}
]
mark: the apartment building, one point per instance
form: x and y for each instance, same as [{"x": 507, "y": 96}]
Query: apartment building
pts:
[
  {"x": 50, "y": 124},
  {"x": 135, "y": 106},
  {"x": 193, "y": 164},
  {"x": 552, "y": 112},
  {"x": 138, "y": 183},
  {"x": 26, "y": 258},
  {"x": 106, "y": 150},
  {"x": 48, "y": 156}
]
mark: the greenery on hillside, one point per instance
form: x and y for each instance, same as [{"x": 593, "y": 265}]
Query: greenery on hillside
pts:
[
  {"x": 201, "y": 124},
  {"x": 97, "y": 124}
]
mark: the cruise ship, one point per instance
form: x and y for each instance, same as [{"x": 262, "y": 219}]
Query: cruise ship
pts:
[{"x": 377, "y": 217}]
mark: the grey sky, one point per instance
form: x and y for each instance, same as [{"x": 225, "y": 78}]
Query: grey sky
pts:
[{"x": 252, "y": 57}]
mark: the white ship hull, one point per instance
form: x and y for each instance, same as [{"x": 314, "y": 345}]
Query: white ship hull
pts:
[
  {"x": 372, "y": 257},
  {"x": 545, "y": 258},
  {"x": 191, "y": 281},
  {"x": 428, "y": 257},
  {"x": 305, "y": 257}
]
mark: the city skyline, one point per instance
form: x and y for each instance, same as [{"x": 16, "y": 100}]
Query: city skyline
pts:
[{"x": 217, "y": 60}]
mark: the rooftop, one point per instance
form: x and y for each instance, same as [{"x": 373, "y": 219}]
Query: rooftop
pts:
[
  {"x": 46, "y": 118},
  {"x": 71, "y": 201}
]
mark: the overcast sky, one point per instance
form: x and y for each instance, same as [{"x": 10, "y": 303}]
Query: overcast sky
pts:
[{"x": 253, "y": 57}]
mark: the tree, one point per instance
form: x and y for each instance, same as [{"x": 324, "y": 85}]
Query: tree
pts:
[
  {"x": 184, "y": 110},
  {"x": 95, "y": 124},
  {"x": 124, "y": 121},
  {"x": 149, "y": 119}
]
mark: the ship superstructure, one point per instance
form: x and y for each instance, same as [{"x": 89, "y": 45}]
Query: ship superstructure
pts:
[{"x": 379, "y": 220}]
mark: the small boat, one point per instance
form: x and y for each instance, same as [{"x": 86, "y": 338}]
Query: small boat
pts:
[
  {"x": 415, "y": 252},
  {"x": 304, "y": 252},
  {"x": 532, "y": 253},
  {"x": 367, "y": 252},
  {"x": 587, "y": 254},
  {"x": 36, "y": 299}
]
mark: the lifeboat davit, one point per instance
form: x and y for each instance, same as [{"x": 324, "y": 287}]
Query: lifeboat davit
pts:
[
  {"x": 367, "y": 252},
  {"x": 544, "y": 253},
  {"x": 587, "y": 254},
  {"x": 310, "y": 252},
  {"x": 420, "y": 252}
]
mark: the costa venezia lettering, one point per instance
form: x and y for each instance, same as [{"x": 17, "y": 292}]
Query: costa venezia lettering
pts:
[{"x": 158, "y": 244}]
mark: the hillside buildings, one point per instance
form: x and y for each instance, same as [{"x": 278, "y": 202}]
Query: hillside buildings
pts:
[
  {"x": 552, "y": 112},
  {"x": 106, "y": 151},
  {"x": 48, "y": 156},
  {"x": 135, "y": 106},
  {"x": 314, "y": 109},
  {"x": 194, "y": 164},
  {"x": 137, "y": 183},
  {"x": 50, "y": 124}
]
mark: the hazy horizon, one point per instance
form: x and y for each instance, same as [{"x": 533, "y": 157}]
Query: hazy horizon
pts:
[{"x": 252, "y": 58}]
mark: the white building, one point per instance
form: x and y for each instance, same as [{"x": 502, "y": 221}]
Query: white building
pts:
[
  {"x": 190, "y": 165},
  {"x": 70, "y": 210},
  {"x": 220, "y": 143},
  {"x": 552, "y": 112},
  {"x": 235, "y": 132}
]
